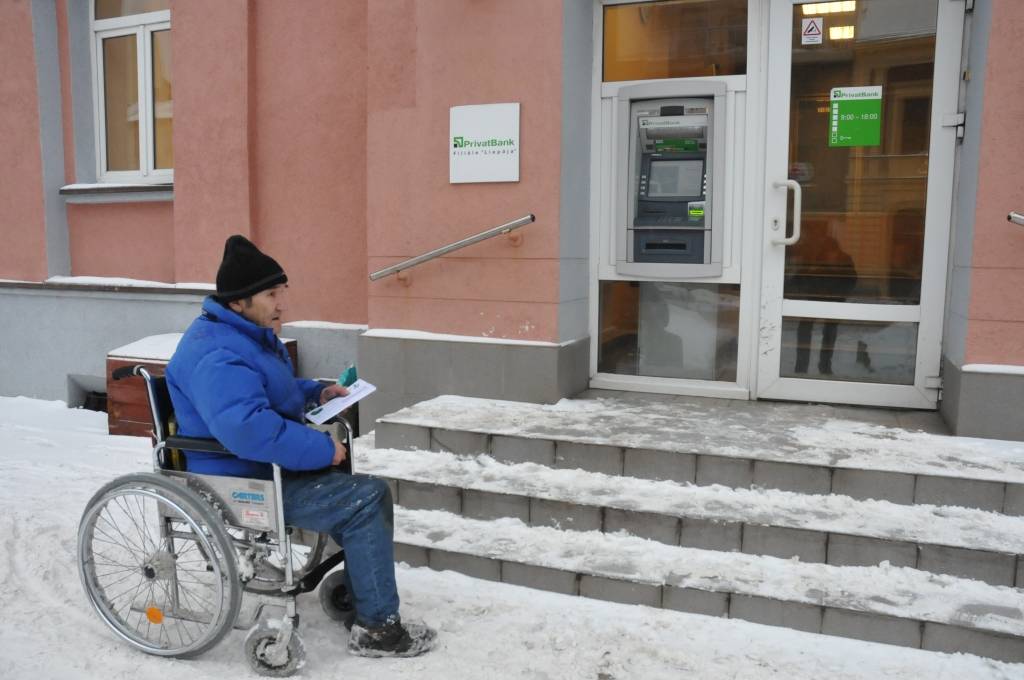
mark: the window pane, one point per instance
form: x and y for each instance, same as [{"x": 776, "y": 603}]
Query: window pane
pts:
[
  {"x": 861, "y": 351},
  {"x": 121, "y": 102},
  {"x": 675, "y": 39},
  {"x": 863, "y": 205},
  {"x": 163, "y": 109},
  {"x": 107, "y": 9},
  {"x": 669, "y": 330}
]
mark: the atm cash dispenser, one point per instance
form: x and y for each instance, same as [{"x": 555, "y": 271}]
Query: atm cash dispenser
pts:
[{"x": 669, "y": 216}]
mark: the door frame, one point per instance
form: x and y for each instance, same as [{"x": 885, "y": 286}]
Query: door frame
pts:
[{"x": 929, "y": 313}]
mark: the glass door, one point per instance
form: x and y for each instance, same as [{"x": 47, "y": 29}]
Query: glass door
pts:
[{"x": 859, "y": 175}]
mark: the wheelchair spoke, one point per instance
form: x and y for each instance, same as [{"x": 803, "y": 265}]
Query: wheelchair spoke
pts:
[{"x": 128, "y": 545}]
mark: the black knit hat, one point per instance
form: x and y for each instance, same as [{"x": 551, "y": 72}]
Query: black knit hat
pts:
[{"x": 245, "y": 270}]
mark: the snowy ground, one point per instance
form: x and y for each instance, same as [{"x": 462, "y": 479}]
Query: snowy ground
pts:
[{"x": 54, "y": 458}]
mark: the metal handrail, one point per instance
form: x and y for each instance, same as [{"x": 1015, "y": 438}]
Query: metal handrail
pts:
[
  {"x": 1016, "y": 217},
  {"x": 443, "y": 250}
]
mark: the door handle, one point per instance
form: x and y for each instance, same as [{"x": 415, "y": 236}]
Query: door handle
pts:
[{"x": 797, "y": 197}]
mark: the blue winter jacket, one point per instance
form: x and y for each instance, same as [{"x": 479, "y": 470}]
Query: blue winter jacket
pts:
[{"x": 232, "y": 380}]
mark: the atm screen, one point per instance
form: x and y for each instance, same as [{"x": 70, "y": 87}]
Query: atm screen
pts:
[{"x": 670, "y": 179}]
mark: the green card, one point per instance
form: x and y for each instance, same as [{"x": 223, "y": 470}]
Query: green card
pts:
[{"x": 855, "y": 116}]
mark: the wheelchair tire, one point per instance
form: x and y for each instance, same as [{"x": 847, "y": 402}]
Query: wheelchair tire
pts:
[
  {"x": 259, "y": 638},
  {"x": 158, "y": 566},
  {"x": 336, "y": 600}
]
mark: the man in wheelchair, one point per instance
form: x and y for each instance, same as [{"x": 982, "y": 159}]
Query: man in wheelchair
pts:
[{"x": 231, "y": 379}]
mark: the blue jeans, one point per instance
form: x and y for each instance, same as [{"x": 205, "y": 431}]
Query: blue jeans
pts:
[{"x": 358, "y": 512}]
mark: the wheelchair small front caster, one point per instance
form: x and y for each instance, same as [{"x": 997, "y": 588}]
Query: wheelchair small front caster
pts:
[
  {"x": 336, "y": 600},
  {"x": 267, "y": 657}
]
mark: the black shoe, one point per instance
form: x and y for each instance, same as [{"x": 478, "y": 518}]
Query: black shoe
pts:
[{"x": 394, "y": 638}]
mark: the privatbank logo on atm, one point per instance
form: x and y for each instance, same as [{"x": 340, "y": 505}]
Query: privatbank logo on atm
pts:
[{"x": 473, "y": 147}]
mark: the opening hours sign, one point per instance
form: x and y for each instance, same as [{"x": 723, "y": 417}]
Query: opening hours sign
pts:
[{"x": 855, "y": 116}]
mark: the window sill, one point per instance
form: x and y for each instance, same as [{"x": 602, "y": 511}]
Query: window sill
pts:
[{"x": 117, "y": 193}]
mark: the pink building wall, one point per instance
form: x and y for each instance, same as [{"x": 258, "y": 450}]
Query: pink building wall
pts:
[
  {"x": 421, "y": 62},
  {"x": 130, "y": 240},
  {"x": 23, "y": 253},
  {"x": 996, "y": 315},
  {"x": 309, "y": 152}
]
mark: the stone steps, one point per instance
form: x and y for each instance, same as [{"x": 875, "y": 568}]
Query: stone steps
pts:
[
  {"x": 827, "y": 529},
  {"x": 830, "y": 520},
  {"x": 741, "y": 447},
  {"x": 895, "y": 605}
]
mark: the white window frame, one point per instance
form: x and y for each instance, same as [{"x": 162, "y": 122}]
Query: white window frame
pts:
[{"x": 142, "y": 26}]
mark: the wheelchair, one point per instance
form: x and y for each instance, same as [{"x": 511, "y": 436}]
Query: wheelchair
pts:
[{"x": 166, "y": 557}]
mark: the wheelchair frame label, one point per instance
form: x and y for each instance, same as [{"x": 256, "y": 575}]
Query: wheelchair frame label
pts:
[{"x": 249, "y": 497}]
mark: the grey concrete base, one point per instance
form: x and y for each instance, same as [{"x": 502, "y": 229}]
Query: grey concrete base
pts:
[
  {"x": 968, "y": 493},
  {"x": 795, "y": 615},
  {"x": 661, "y": 465},
  {"x": 873, "y": 485},
  {"x": 402, "y": 437},
  {"x": 808, "y": 546},
  {"x": 755, "y": 539},
  {"x": 589, "y": 457},
  {"x": 522, "y": 450},
  {"x": 940, "y": 638},
  {"x": 485, "y": 505},
  {"x": 457, "y": 441},
  {"x": 695, "y": 601},
  {"x": 623, "y": 592},
  {"x": 735, "y": 472},
  {"x": 407, "y": 371},
  {"x": 470, "y": 565},
  {"x": 709, "y": 535},
  {"x": 324, "y": 352},
  {"x": 418, "y": 496},
  {"x": 994, "y": 568},
  {"x": 801, "y": 616},
  {"x": 871, "y": 627},
  {"x": 982, "y": 404},
  {"x": 661, "y": 528},
  {"x": 546, "y": 513},
  {"x": 51, "y": 332},
  {"x": 861, "y": 551},
  {"x": 540, "y": 578},
  {"x": 798, "y": 478}
]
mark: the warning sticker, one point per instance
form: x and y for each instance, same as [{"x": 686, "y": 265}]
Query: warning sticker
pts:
[
  {"x": 811, "y": 30},
  {"x": 259, "y": 518}
]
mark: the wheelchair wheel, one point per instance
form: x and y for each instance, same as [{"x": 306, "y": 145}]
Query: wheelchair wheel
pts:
[
  {"x": 158, "y": 566},
  {"x": 336, "y": 600},
  {"x": 268, "y": 575},
  {"x": 265, "y": 659}
]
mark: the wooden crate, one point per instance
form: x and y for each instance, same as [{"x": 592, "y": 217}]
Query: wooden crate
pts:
[{"x": 127, "y": 403}]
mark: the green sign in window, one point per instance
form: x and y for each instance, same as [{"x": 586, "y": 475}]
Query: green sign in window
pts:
[{"x": 855, "y": 116}]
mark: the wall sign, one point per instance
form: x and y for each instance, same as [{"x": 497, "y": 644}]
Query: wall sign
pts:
[
  {"x": 855, "y": 115},
  {"x": 483, "y": 143}
]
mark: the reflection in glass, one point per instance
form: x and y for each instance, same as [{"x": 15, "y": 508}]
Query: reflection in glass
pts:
[
  {"x": 107, "y": 9},
  {"x": 675, "y": 39},
  {"x": 669, "y": 330},
  {"x": 859, "y": 351},
  {"x": 163, "y": 109},
  {"x": 121, "y": 102},
  {"x": 863, "y": 207}
]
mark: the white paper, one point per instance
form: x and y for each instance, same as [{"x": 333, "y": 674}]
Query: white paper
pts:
[{"x": 356, "y": 391}]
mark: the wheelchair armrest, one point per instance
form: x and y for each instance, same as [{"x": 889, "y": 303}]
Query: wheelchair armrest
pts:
[{"x": 195, "y": 444}]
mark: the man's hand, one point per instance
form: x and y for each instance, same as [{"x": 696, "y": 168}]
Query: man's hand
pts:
[
  {"x": 340, "y": 452},
  {"x": 332, "y": 391}
]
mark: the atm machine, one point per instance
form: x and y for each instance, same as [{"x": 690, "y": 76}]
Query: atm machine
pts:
[{"x": 669, "y": 216}]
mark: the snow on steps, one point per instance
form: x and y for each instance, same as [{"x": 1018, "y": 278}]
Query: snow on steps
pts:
[
  {"x": 789, "y": 447},
  {"x": 829, "y": 528},
  {"x": 897, "y": 605}
]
